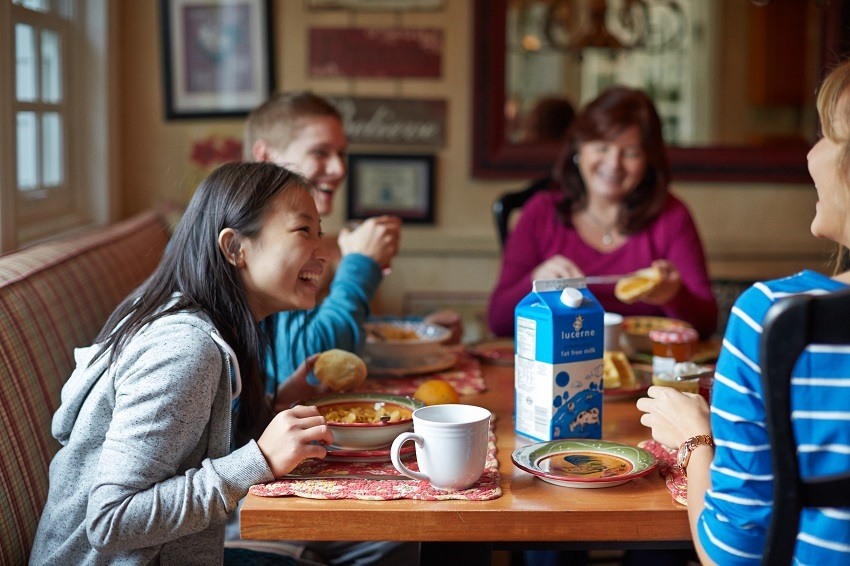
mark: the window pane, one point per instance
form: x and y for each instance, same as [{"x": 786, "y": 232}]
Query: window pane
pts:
[
  {"x": 27, "y": 151},
  {"x": 64, "y": 8},
  {"x": 51, "y": 67},
  {"x": 40, "y": 5},
  {"x": 26, "y": 73},
  {"x": 51, "y": 137}
]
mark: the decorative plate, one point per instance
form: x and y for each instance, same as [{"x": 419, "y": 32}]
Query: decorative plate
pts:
[
  {"x": 382, "y": 455},
  {"x": 433, "y": 362},
  {"x": 643, "y": 379},
  {"x": 584, "y": 463}
]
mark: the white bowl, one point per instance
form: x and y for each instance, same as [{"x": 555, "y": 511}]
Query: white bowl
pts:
[
  {"x": 367, "y": 436},
  {"x": 402, "y": 339}
]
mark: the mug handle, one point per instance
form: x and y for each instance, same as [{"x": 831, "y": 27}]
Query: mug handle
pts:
[{"x": 395, "y": 455}]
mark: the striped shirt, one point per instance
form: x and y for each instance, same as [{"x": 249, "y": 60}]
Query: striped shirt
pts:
[{"x": 733, "y": 526}]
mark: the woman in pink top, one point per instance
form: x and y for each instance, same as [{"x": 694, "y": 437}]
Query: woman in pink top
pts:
[{"x": 609, "y": 212}]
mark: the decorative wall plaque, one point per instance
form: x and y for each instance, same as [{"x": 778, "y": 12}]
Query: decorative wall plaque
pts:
[
  {"x": 377, "y": 5},
  {"x": 376, "y": 52},
  {"x": 397, "y": 121}
]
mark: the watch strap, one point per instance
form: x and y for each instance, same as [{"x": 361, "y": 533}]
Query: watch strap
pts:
[{"x": 684, "y": 455}]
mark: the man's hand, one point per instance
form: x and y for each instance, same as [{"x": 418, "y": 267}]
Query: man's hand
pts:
[{"x": 376, "y": 237}]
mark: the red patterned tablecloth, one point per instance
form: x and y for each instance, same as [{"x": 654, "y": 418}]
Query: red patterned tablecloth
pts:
[
  {"x": 487, "y": 486},
  {"x": 465, "y": 376},
  {"x": 676, "y": 481}
]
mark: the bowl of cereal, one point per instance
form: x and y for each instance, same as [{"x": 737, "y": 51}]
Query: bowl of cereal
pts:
[
  {"x": 365, "y": 421},
  {"x": 401, "y": 339}
]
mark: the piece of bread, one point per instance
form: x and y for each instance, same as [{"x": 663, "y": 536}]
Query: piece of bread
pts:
[
  {"x": 616, "y": 371},
  {"x": 340, "y": 370},
  {"x": 630, "y": 289}
]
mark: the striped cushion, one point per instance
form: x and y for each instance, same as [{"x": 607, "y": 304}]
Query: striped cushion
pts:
[{"x": 54, "y": 297}]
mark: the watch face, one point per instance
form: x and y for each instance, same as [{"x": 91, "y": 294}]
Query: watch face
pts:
[{"x": 682, "y": 456}]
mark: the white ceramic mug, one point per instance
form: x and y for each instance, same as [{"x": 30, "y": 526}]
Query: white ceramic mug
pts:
[
  {"x": 451, "y": 445},
  {"x": 613, "y": 327}
]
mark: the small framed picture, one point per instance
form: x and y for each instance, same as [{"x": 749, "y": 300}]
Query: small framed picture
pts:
[
  {"x": 217, "y": 56},
  {"x": 401, "y": 185}
]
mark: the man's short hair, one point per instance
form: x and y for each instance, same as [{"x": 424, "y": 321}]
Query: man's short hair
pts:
[{"x": 277, "y": 120}]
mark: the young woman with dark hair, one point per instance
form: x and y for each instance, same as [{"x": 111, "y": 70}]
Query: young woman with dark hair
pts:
[
  {"x": 147, "y": 470},
  {"x": 609, "y": 212}
]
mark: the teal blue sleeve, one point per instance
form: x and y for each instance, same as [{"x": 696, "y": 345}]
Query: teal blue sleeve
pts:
[{"x": 336, "y": 323}]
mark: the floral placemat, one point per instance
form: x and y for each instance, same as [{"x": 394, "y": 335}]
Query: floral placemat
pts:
[
  {"x": 487, "y": 486},
  {"x": 676, "y": 481},
  {"x": 465, "y": 376}
]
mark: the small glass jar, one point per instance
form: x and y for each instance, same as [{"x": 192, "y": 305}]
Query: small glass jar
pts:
[{"x": 670, "y": 347}]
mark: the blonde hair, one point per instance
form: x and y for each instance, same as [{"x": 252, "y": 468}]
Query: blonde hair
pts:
[
  {"x": 834, "y": 108},
  {"x": 279, "y": 118}
]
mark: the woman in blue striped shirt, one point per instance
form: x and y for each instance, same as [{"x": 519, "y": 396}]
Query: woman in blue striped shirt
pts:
[{"x": 730, "y": 477}]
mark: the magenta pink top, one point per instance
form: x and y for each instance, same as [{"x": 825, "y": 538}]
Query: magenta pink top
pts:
[{"x": 539, "y": 235}]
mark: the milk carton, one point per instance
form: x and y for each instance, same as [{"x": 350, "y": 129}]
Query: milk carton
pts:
[{"x": 558, "y": 369}]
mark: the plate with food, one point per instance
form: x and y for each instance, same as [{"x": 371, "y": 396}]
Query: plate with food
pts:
[
  {"x": 365, "y": 421},
  {"x": 621, "y": 378},
  {"x": 636, "y": 329},
  {"x": 584, "y": 463},
  {"x": 403, "y": 339}
]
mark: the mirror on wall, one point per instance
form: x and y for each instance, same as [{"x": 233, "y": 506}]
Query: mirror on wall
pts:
[{"x": 733, "y": 82}]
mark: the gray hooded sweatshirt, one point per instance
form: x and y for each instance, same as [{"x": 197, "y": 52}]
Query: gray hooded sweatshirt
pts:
[{"x": 145, "y": 473}]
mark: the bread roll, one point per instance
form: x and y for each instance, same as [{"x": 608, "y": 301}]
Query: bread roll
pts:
[
  {"x": 340, "y": 370},
  {"x": 630, "y": 289}
]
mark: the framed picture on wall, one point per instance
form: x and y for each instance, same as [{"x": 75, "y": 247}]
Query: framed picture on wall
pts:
[
  {"x": 376, "y": 5},
  {"x": 402, "y": 185},
  {"x": 217, "y": 56}
]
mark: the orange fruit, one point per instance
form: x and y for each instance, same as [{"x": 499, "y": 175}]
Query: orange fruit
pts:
[{"x": 436, "y": 392}]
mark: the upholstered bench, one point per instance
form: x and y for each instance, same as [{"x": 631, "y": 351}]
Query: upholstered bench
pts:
[{"x": 55, "y": 297}]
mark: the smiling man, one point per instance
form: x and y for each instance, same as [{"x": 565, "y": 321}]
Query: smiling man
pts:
[{"x": 303, "y": 132}]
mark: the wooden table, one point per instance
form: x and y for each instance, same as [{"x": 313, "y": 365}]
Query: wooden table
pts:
[{"x": 637, "y": 514}]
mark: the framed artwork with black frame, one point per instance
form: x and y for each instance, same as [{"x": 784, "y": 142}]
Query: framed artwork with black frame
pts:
[
  {"x": 401, "y": 185},
  {"x": 217, "y": 57}
]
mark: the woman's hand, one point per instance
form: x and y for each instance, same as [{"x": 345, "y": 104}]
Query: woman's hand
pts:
[
  {"x": 376, "y": 237},
  {"x": 294, "y": 435},
  {"x": 448, "y": 319},
  {"x": 671, "y": 282},
  {"x": 297, "y": 388},
  {"x": 674, "y": 416},
  {"x": 556, "y": 267}
]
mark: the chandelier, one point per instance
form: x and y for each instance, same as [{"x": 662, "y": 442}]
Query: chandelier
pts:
[{"x": 615, "y": 25}]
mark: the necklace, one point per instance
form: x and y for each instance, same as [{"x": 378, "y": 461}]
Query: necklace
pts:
[{"x": 608, "y": 229}]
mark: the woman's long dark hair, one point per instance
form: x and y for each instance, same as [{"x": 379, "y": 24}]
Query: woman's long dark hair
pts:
[
  {"x": 604, "y": 118},
  {"x": 237, "y": 196}
]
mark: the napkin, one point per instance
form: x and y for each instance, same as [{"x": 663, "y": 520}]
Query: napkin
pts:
[{"x": 676, "y": 481}]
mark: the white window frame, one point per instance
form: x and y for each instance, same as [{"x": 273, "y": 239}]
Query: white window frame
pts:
[{"x": 85, "y": 197}]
